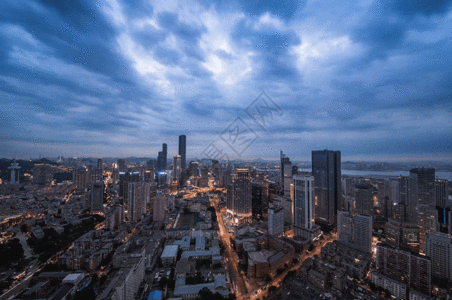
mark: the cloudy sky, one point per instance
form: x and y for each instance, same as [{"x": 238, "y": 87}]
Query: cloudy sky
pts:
[{"x": 118, "y": 78}]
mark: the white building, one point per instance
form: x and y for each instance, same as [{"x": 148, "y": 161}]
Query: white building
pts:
[
  {"x": 303, "y": 207},
  {"x": 397, "y": 288},
  {"x": 355, "y": 231},
  {"x": 276, "y": 221}
]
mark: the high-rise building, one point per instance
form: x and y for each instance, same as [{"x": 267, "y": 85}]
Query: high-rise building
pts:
[
  {"x": 124, "y": 179},
  {"x": 159, "y": 211},
  {"x": 303, "y": 207},
  {"x": 355, "y": 231},
  {"x": 422, "y": 202},
  {"x": 402, "y": 235},
  {"x": 364, "y": 195},
  {"x": 162, "y": 158},
  {"x": 241, "y": 200},
  {"x": 439, "y": 248},
  {"x": 326, "y": 168},
  {"x": 100, "y": 164},
  {"x": 97, "y": 196},
  {"x": 259, "y": 199},
  {"x": 122, "y": 165},
  {"x": 287, "y": 170},
  {"x": 139, "y": 197},
  {"x": 183, "y": 150},
  {"x": 284, "y": 160},
  {"x": 401, "y": 212},
  {"x": 275, "y": 220},
  {"x": 412, "y": 269},
  {"x": 177, "y": 169},
  {"x": 286, "y": 203},
  {"x": 441, "y": 193}
]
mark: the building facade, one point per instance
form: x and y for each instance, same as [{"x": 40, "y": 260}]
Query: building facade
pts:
[{"x": 326, "y": 168}]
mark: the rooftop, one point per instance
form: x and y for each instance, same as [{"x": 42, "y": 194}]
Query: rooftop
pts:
[{"x": 170, "y": 251}]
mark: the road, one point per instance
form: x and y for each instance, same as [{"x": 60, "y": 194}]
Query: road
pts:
[
  {"x": 278, "y": 280},
  {"x": 237, "y": 280}
]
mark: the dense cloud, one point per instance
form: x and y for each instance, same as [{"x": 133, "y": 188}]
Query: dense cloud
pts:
[{"x": 118, "y": 78}]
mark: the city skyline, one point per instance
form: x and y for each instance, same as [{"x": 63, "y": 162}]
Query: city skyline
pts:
[{"x": 369, "y": 79}]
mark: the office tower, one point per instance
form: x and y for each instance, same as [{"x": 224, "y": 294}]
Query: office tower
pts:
[
  {"x": 402, "y": 235},
  {"x": 441, "y": 193},
  {"x": 287, "y": 170},
  {"x": 122, "y": 165},
  {"x": 259, "y": 199},
  {"x": 422, "y": 201},
  {"x": 439, "y": 248},
  {"x": 355, "y": 231},
  {"x": 177, "y": 171},
  {"x": 326, "y": 168},
  {"x": 159, "y": 211},
  {"x": 413, "y": 269},
  {"x": 183, "y": 150},
  {"x": 124, "y": 179},
  {"x": 139, "y": 197},
  {"x": 97, "y": 196},
  {"x": 275, "y": 221},
  {"x": 401, "y": 212},
  {"x": 100, "y": 164},
  {"x": 241, "y": 198},
  {"x": 364, "y": 195},
  {"x": 162, "y": 158},
  {"x": 303, "y": 207},
  {"x": 284, "y": 160}
]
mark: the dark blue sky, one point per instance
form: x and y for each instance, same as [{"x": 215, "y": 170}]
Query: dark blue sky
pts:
[{"x": 118, "y": 78}]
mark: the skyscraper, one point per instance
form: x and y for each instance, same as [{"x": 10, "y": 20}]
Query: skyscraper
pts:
[
  {"x": 422, "y": 202},
  {"x": 364, "y": 194},
  {"x": 124, "y": 179},
  {"x": 162, "y": 158},
  {"x": 326, "y": 168},
  {"x": 138, "y": 198},
  {"x": 259, "y": 199},
  {"x": 439, "y": 249},
  {"x": 303, "y": 209},
  {"x": 177, "y": 171},
  {"x": 100, "y": 164},
  {"x": 241, "y": 197},
  {"x": 355, "y": 231},
  {"x": 97, "y": 196},
  {"x": 183, "y": 150},
  {"x": 441, "y": 193},
  {"x": 284, "y": 160},
  {"x": 122, "y": 165}
]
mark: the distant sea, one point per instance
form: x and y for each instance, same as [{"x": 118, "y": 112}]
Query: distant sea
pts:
[{"x": 440, "y": 175}]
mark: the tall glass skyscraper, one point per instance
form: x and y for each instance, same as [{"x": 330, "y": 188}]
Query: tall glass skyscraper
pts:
[
  {"x": 326, "y": 168},
  {"x": 303, "y": 207},
  {"x": 241, "y": 196},
  {"x": 183, "y": 150},
  {"x": 162, "y": 158}
]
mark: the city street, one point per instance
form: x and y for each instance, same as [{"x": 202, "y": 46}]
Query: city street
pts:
[{"x": 237, "y": 280}]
